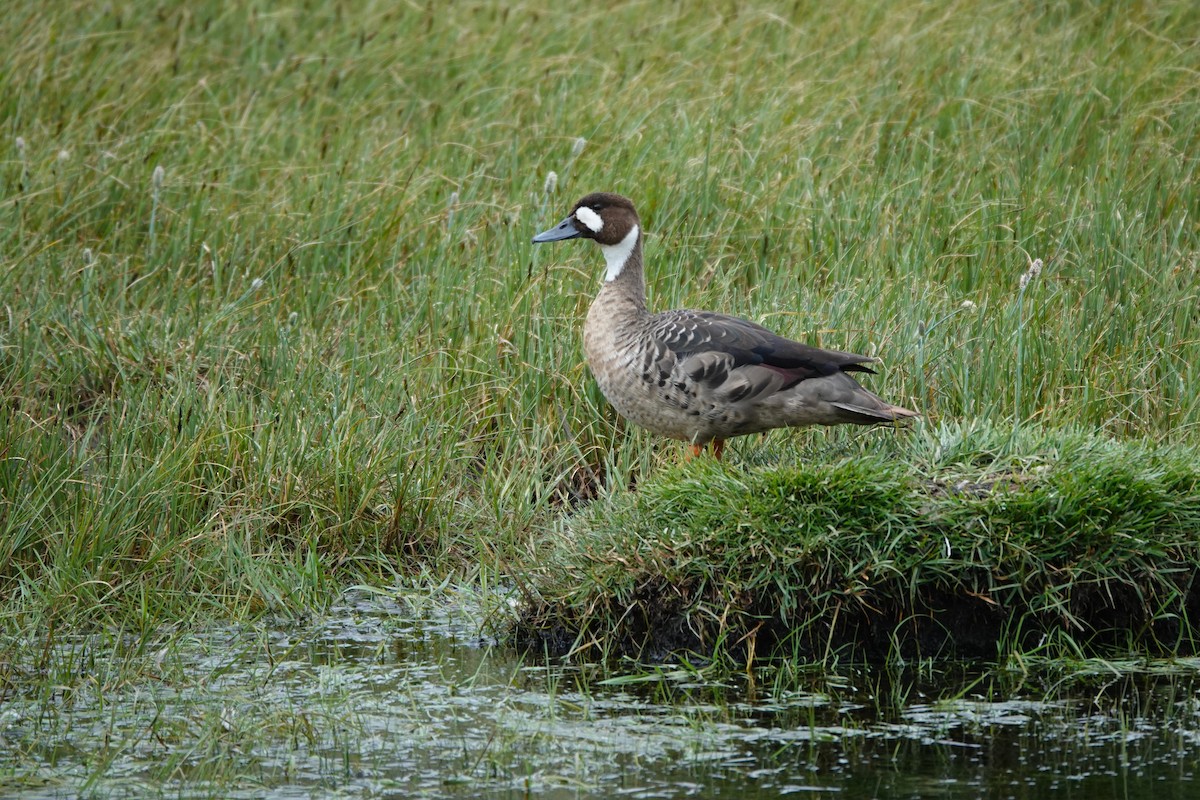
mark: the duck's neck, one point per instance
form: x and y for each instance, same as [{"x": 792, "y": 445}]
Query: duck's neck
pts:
[{"x": 623, "y": 278}]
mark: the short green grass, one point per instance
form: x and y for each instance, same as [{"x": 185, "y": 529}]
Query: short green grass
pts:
[
  {"x": 270, "y": 321},
  {"x": 960, "y": 541}
]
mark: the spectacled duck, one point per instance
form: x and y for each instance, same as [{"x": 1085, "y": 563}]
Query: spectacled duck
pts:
[{"x": 700, "y": 376}]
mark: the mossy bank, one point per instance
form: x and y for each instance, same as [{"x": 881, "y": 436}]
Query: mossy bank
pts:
[{"x": 952, "y": 541}]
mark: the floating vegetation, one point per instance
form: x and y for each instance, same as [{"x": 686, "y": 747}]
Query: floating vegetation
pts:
[{"x": 403, "y": 696}]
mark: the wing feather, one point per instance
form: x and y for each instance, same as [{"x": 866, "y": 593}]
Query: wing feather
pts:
[{"x": 742, "y": 343}]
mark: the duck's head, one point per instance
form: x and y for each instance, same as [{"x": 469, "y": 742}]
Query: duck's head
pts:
[
  {"x": 610, "y": 219},
  {"x": 606, "y": 217}
]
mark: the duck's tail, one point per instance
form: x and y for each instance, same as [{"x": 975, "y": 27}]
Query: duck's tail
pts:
[{"x": 878, "y": 413}]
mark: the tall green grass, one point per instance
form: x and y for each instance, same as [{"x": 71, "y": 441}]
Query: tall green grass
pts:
[{"x": 320, "y": 347}]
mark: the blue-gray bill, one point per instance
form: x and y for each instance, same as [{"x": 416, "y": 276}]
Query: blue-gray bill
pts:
[{"x": 563, "y": 230}]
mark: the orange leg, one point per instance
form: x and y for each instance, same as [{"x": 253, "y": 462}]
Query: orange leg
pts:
[{"x": 718, "y": 447}]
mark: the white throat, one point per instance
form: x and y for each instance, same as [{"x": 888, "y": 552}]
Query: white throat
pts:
[{"x": 616, "y": 255}]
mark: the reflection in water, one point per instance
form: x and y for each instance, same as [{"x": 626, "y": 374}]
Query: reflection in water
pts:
[{"x": 377, "y": 699}]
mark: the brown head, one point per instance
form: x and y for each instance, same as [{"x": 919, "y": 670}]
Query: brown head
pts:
[
  {"x": 603, "y": 216},
  {"x": 607, "y": 218}
]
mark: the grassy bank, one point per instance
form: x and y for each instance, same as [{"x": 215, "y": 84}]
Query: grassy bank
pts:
[
  {"x": 270, "y": 322},
  {"x": 952, "y": 542}
]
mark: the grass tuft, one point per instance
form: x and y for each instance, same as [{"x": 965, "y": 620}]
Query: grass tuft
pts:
[{"x": 996, "y": 544}]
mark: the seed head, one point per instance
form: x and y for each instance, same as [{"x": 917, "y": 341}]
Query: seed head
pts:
[
  {"x": 551, "y": 182},
  {"x": 577, "y": 147},
  {"x": 89, "y": 257},
  {"x": 968, "y": 305},
  {"x": 21, "y": 146},
  {"x": 64, "y": 155},
  {"x": 1035, "y": 269},
  {"x": 256, "y": 284},
  {"x": 453, "y": 199},
  {"x": 157, "y": 178}
]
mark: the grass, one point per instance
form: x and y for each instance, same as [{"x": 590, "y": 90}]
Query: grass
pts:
[
  {"x": 271, "y": 322},
  {"x": 959, "y": 542}
]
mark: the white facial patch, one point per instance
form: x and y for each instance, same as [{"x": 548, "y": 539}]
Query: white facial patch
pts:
[
  {"x": 590, "y": 218},
  {"x": 615, "y": 255}
]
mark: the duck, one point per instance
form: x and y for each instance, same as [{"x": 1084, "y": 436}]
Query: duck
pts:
[{"x": 699, "y": 376}]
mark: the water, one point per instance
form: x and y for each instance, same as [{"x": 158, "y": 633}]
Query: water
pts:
[{"x": 377, "y": 699}]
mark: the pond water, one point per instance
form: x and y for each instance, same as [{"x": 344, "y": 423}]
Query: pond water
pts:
[{"x": 381, "y": 698}]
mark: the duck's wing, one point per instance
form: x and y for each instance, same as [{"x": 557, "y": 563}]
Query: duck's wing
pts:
[{"x": 741, "y": 343}]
